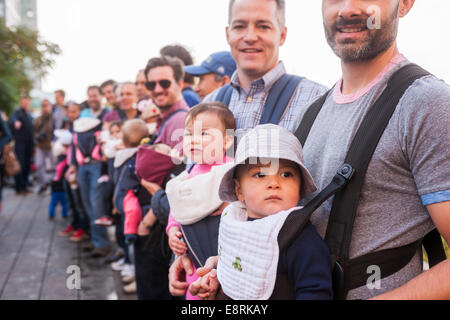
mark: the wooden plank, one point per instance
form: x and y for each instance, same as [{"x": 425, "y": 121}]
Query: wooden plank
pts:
[
  {"x": 13, "y": 236},
  {"x": 35, "y": 259},
  {"x": 97, "y": 279},
  {"x": 61, "y": 255},
  {"x": 10, "y": 205},
  {"x": 25, "y": 278}
]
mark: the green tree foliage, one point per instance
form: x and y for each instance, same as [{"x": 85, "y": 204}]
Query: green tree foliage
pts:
[{"x": 21, "y": 50}]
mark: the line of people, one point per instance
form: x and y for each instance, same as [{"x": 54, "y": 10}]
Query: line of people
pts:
[
  {"x": 92, "y": 148},
  {"x": 194, "y": 220}
]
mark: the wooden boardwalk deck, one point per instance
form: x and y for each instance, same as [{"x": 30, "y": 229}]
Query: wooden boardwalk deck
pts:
[{"x": 34, "y": 260}]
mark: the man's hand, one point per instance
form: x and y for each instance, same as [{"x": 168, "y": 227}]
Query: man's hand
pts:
[
  {"x": 219, "y": 210},
  {"x": 207, "y": 285},
  {"x": 142, "y": 229},
  {"x": 150, "y": 186},
  {"x": 17, "y": 125},
  {"x": 72, "y": 170},
  {"x": 177, "y": 275}
]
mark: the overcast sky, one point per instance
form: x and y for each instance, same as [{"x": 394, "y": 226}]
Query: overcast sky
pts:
[{"x": 103, "y": 39}]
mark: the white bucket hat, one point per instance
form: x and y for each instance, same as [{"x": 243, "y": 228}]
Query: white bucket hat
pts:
[{"x": 267, "y": 141}]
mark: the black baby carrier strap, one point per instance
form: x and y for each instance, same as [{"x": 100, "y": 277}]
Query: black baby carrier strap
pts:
[{"x": 346, "y": 185}]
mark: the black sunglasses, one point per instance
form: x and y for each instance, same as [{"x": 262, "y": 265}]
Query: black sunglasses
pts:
[{"x": 151, "y": 85}]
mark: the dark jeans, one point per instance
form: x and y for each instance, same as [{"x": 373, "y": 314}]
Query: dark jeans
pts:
[
  {"x": 107, "y": 191},
  {"x": 24, "y": 152},
  {"x": 152, "y": 269},
  {"x": 120, "y": 236},
  {"x": 79, "y": 218}
]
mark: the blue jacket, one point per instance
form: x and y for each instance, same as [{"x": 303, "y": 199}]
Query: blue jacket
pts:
[
  {"x": 307, "y": 265},
  {"x": 190, "y": 97},
  {"x": 125, "y": 180}
]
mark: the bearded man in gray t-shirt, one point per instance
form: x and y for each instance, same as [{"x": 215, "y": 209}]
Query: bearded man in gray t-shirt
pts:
[
  {"x": 407, "y": 186},
  {"x": 406, "y": 192}
]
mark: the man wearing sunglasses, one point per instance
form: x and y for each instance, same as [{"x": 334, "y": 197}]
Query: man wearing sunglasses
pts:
[{"x": 165, "y": 83}]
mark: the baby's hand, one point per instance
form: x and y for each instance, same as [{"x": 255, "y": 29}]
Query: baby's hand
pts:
[
  {"x": 207, "y": 285},
  {"x": 176, "y": 245}
]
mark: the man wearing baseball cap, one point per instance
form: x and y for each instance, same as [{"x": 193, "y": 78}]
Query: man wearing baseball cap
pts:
[{"x": 214, "y": 72}]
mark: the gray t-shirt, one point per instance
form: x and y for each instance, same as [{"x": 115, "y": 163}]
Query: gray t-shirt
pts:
[{"x": 410, "y": 163}]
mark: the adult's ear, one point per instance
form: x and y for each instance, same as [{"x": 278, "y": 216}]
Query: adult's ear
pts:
[
  {"x": 225, "y": 80},
  {"x": 404, "y": 7},
  {"x": 283, "y": 35}
]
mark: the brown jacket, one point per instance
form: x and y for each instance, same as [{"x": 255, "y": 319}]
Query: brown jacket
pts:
[{"x": 43, "y": 132}]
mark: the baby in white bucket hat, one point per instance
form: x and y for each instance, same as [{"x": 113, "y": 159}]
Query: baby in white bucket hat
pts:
[{"x": 264, "y": 185}]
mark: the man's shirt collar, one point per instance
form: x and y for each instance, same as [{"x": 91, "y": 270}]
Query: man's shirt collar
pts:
[{"x": 265, "y": 82}]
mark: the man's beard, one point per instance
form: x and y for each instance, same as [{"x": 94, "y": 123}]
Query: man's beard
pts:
[
  {"x": 377, "y": 41},
  {"x": 95, "y": 106},
  {"x": 164, "y": 107}
]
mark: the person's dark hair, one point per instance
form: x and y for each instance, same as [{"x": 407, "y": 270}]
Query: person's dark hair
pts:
[
  {"x": 118, "y": 123},
  {"x": 108, "y": 83},
  {"x": 61, "y": 92},
  {"x": 183, "y": 54},
  {"x": 215, "y": 107},
  {"x": 281, "y": 6},
  {"x": 47, "y": 101},
  {"x": 73, "y": 103},
  {"x": 175, "y": 63},
  {"x": 94, "y": 87},
  {"x": 84, "y": 105}
]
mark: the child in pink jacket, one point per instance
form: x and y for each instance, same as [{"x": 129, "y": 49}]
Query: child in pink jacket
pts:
[{"x": 193, "y": 195}]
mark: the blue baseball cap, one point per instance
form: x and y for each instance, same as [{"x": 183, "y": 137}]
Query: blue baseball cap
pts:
[{"x": 221, "y": 63}]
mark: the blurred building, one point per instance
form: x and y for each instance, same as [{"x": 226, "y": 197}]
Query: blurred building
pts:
[{"x": 19, "y": 12}]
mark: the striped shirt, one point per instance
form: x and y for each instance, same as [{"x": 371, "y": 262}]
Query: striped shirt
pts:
[{"x": 247, "y": 107}]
